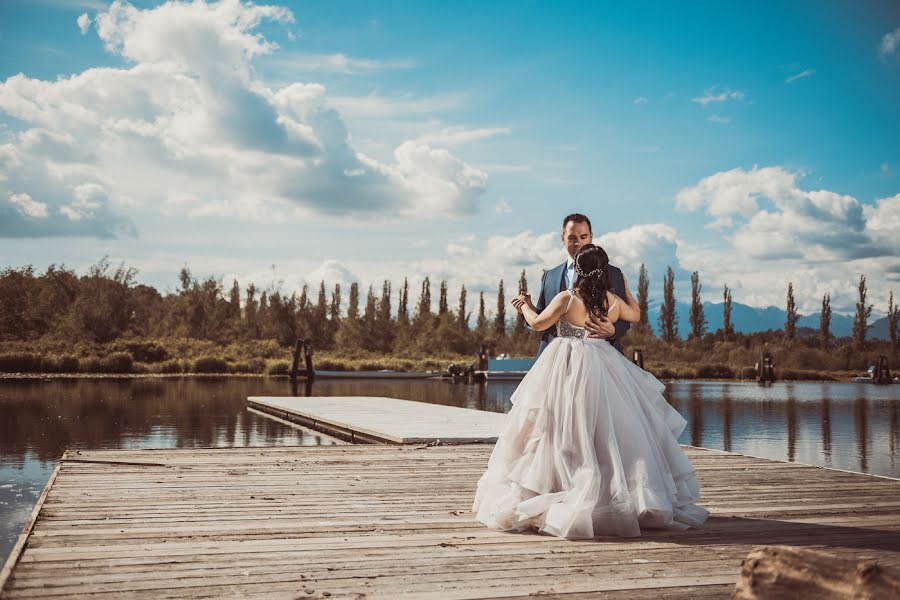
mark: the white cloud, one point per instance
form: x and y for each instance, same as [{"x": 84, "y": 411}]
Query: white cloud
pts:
[
  {"x": 375, "y": 106},
  {"x": 503, "y": 207},
  {"x": 641, "y": 100},
  {"x": 84, "y": 23},
  {"x": 889, "y": 43},
  {"x": 28, "y": 207},
  {"x": 456, "y": 136},
  {"x": 886, "y": 169},
  {"x": 780, "y": 232},
  {"x": 718, "y": 119},
  {"x": 337, "y": 63},
  {"x": 800, "y": 75},
  {"x": 189, "y": 128},
  {"x": 716, "y": 95}
]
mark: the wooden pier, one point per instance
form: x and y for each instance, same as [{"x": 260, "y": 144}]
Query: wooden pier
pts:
[
  {"x": 379, "y": 521},
  {"x": 363, "y": 419}
]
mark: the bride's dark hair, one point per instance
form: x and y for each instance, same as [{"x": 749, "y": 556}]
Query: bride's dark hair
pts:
[{"x": 591, "y": 266}]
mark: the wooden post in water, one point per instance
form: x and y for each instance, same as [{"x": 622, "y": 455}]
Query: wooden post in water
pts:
[
  {"x": 638, "y": 357},
  {"x": 765, "y": 369}
]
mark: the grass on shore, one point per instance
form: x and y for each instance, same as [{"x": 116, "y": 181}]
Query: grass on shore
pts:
[{"x": 173, "y": 356}]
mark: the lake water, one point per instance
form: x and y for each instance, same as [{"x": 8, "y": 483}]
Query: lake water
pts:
[{"x": 846, "y": 426}]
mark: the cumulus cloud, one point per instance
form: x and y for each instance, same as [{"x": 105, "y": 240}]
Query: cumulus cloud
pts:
[
  {"x": 84, "y": 23},
  {"x": 889, "y": 43},
  {"x": 188, "y": 128},
  {"x": 779, "y": 232},
  {"x": 718, "y": 94}
]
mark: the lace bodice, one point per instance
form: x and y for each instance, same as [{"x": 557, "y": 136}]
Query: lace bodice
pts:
[{"x": 566, "y": 329}]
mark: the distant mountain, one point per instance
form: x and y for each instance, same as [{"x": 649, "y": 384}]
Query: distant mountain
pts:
[{"x": 749, "y": 319}]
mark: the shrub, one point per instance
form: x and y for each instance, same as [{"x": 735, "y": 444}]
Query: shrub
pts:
[
  {"x": 117, "y": 362},
  {"x": 169, "y": 366},
  {"x": 148, "y": 352},
  {"x": 68, "y": 364},
  {"x": 210, "y": 364},
  {"x": 715, "y": 372},
  {"x": 20, "y": 362},
  {"x": 278, "y": 367},
  {"x": 748, "y": 373}
]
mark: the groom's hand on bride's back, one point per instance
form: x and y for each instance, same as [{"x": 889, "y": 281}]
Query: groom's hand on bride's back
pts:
[{"x": 599, "y": 327}]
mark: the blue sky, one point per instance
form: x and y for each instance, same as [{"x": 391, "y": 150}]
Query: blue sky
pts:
[{"x": 286, "y": 143}]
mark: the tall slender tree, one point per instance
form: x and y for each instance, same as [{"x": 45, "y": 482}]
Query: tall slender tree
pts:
[
  {"x": 697, "y": 318},
  {"x": 423, "y": 312},
  {"x": 234, "y": 302},
  {"x": 322, "y": 304},
  {"x": 825, "y": 322},
  {"x": 353, "y": 302},
  {"x": 383, "y": 326},
  {"x": 335, "y": 309},
  {"x": 893, "y": 322},
  {"x": 644, "y": 297},
  {"x": 861, "y": 318},
  {"x": 520, "y": 318},
  {"x": 481, "y": 324},
  {"x": 668, "y": 319},
  {"x": 727, "y": 326},
  {"x": 251, "y": 326},
  {"x": 403, "y": 308},
  {"x": 500, "y": 321},
  {"x": 443, "y": 306},
  {"x": 461, "y": 316},
  {"x": 790, "y": 323}
]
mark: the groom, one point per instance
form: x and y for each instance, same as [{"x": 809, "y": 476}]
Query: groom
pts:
[{"x": 575, "y": 234}]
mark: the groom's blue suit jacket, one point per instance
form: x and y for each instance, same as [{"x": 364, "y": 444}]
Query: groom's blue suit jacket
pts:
[{"x": 554, "y": 282}]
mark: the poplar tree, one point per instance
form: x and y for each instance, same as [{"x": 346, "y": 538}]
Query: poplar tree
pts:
[
  {"x": 234, "y": 302},
  {"x": 423, "y": 311},
  {"x": 668, "y": 319},
  {"x": 402, "y": 309},
  {"x": 353, "y": 302},
  {"x": 790, "y": 323},
  {"x": 825, "y": 322},
  {"x": 644, "y": 298},
  {"x": 500, "y": 322},
  {"x": 461, "y": 315},
  {"x": 893, "y": 321},
  {"x": 481, "y": 323},
  {"x": 727, "y": 326},
  {"x": 697, "y": 318},
  {"x": 443, "y": 308},
  {"x": 520, "y": 318},
  {"x": 335, "y": 310},
  {"x": 860, "y": 320}
]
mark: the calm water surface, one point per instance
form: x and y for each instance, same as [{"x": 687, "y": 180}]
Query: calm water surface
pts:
[{"x": 846, "y": 426}]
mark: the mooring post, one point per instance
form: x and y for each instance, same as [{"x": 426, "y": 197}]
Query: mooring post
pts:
[
  {"x": 298, "y": 345},
  {"x": 638, "y": 357}
]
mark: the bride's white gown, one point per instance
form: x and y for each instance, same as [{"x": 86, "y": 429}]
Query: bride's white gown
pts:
[{"x": 590, "y": 448}]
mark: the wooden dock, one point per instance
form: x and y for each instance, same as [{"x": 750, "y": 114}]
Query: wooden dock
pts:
[
  {"x": 369, "y": 419},
  {"x": 377, "y": 521}
]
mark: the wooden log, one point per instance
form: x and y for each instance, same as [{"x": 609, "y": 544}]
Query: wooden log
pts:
[{"x": 775, "y": 572}]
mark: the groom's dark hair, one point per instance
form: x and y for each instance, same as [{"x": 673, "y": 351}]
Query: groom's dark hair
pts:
[{"x": 578, "y": 218}]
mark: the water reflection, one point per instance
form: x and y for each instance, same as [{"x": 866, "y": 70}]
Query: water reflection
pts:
[{"x": 848, "y": 426}]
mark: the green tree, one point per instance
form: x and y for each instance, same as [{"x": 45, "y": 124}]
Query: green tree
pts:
[
  {"x": 403, "y": 304},
  {"x": 790, "y": 323},
  {"x": 383, "y": 325},
  {"x": 251, "y": 308},
  {"x": 893, "y": 322},
  {"x": 644, "y": 298},
  {"x": 668, "y": 319},
  {"x": 423, "y": 310},
  {"x": 481, "y": 324},
  {"x": 825, "y": 322},
  {"x": 519, "y": 328},
  {"x": 697, "y": 318},
  {"x": 500, "y": 321},
  {"x": 461, "y": 316},
  {"x": 443, "y": 307},
  {"x": 861, "y": 318},
  {"x": 727, "y": 326}
]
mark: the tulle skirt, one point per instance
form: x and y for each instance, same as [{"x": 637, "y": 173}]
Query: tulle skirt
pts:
[{"x": 590, "y": 448}]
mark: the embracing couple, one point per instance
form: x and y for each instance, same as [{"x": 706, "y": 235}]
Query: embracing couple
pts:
[{"x": 590, "y": 446}]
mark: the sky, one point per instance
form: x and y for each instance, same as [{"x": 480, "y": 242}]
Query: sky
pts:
[{"x": 289, "y": 143}]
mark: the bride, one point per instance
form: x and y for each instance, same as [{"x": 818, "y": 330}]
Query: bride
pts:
[{"x": 590, "y": 447}]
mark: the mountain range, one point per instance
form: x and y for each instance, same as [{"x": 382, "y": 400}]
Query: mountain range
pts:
[{"x": 749, "y": 319}]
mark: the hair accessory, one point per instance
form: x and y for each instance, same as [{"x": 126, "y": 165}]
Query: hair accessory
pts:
[{"x": 595, "y": 273}]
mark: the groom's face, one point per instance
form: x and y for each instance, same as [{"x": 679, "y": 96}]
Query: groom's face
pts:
[{"x": 574, "y": 236}]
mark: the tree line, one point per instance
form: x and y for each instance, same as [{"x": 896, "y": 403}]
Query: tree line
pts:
[{"x": 106, "y": 304}]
